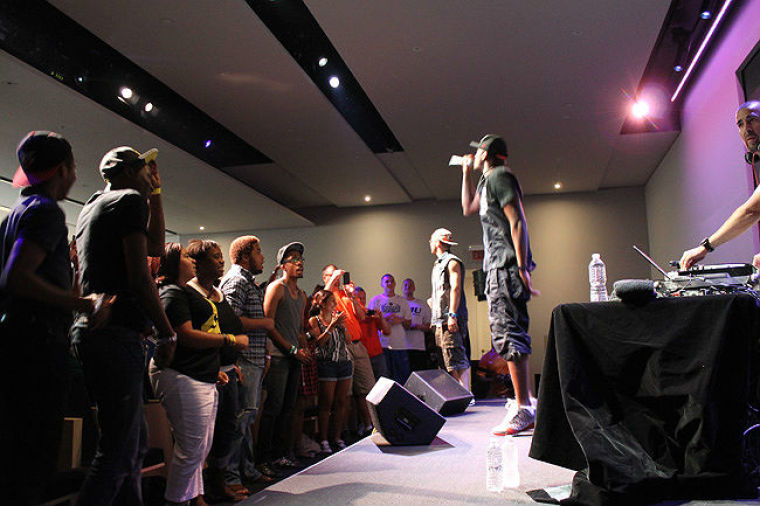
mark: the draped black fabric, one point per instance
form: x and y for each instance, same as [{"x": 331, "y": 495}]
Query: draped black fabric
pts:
[{"x": 649, "y": 402}]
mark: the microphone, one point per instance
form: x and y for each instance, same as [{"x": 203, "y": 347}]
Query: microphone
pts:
[{"x": 456, "y": 160}]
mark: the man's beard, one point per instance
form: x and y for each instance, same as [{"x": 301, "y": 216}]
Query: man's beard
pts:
[{"x": 257, "y": 271}]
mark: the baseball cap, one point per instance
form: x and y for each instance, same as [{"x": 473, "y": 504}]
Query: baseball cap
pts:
[
  {"x": 491, "y": 144},
  {"x": 119, "y": 158},
  {"x": 283, "y": 252},
  {"x": 443, "y": 235},
  {"x": 39, "y": 154}
]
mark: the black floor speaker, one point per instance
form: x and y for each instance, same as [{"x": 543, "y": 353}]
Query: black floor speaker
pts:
[
  {"x": 400, "y": 417},
  {"x": 439, "y": 390}
]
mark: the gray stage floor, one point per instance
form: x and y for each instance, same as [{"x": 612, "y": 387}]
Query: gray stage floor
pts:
[{"x": 450, "y": 471}]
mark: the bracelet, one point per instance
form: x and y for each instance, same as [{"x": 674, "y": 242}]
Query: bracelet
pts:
[
  {"x": 293, "y": 350},
  {"x": 706, "y": 243},
  {"x": 156, "y": 191},
  {"x": 452, "y": 315},
  {"x": 268, "y": 357},
  {"x": 229, "y": 339},
  {"x": 169, "y": 339}
]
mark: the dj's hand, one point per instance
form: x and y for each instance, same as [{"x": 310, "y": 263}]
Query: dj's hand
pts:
[
  {"x": 692, "y": 256},
  {"x": 756, "y": 260}
]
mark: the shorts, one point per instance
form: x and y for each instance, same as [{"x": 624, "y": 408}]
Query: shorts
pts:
[
  {"x": 508, "y": 313},
  {"x": 452, "y": 348},
  {"x": 329, "y": 370},
  {"x": 364, "y": 378}
]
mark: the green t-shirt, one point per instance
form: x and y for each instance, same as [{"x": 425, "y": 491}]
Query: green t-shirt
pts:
[{"x": 495, "y": 190}]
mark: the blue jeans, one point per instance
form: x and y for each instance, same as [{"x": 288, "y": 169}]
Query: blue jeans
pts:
[
  {"x": 398, "y": 364},
  {"x": 113, "y": 363},
  {"x": 281, "y": 384},
  {"x": 242, "y": 464}
]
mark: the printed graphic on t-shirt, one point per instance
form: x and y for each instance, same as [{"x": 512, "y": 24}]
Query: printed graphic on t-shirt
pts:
[{"x": 390, "y": 308}]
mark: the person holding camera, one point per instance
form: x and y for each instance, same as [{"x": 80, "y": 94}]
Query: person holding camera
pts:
[{"x": 334, "y": 367}]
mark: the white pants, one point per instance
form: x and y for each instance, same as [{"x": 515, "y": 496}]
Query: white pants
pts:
[{"x": 191, "y": 408}]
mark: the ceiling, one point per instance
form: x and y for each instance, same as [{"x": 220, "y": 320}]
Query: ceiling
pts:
[{"x": 550, "y": 76}]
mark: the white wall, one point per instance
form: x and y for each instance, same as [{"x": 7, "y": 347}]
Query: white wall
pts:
[
  {"x": 565, "y": 229},
  {"x": 703, "y": 177}
]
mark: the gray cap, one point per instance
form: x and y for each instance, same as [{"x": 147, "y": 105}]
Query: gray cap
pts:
[{"x": 283, "y": 252}]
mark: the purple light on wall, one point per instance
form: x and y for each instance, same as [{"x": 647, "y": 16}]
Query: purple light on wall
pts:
[{"x": 707, "y": 38}]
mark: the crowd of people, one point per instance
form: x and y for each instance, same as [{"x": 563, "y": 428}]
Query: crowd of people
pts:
[{"x": 236, "y": 362}]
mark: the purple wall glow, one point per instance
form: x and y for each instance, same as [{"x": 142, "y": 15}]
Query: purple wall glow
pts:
[{"x": 703, "y": 177}]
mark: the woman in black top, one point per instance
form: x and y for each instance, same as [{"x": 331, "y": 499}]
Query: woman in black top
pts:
[{"x": 187, "y": 387}]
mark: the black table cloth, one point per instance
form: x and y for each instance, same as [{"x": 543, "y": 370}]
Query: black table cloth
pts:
[{"x": 650, "y": 402}]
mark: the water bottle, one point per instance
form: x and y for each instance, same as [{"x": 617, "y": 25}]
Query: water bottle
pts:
[
  {"x": 597, "y": 278},
  {"x": 509, "y": 467},
  {"x": 494, "y": 468}
]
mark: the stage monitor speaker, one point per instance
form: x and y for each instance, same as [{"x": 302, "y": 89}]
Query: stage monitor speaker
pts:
[
  {"x": 400, "y": 417},
  {"x": 439, "y": 390}
]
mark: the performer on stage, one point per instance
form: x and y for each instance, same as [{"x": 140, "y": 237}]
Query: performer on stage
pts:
[
  {"x": 508, "y": 262},
  {"x": 747, "y": 214}
]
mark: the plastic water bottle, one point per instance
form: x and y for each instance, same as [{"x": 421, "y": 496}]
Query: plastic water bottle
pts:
[
  {"x": 597, "y": 278},
  {"x": 494, "y": 468},
  {"x": 509, "y": 467}
]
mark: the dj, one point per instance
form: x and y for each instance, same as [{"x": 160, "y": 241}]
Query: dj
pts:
[{"x": 748, "y": 121}]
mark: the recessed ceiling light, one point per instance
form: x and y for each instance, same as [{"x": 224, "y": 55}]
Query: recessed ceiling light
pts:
[
  {"x": 334, "y": 82},
  {"x": 640, "y": 109},
  {"x": 322, "y": 62},
  {"x": 367, "y": 198},
  {"x": 202, "y": 227},
  {"x": 678, "y": 68},
  {"x": 80, "y": 79},
  {"x": 705, "y": 14},
  {"x": 126, "y": 93},
  {"x": 207, "y": 144},
  {"x": 557, "y": 185},
  {"x": 148, "y": 107}
]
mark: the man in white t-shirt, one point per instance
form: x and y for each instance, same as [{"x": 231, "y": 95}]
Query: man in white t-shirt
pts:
[
  {"x": 415, "y": 334},
  {"x": 396, "y": 312}
]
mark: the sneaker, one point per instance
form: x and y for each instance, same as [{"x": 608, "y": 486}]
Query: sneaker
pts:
[
  {"x": 286, "y": 462},
  {"x": 267, "y": 470},
  {"x": 340, "y": 444},
  {"x": 523, "y": 419},
  {"x": 324, "y": 447}
]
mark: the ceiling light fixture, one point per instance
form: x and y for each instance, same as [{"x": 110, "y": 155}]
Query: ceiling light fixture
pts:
[
  {"x": 557, "y": 185},
  {"x": 148, "y": 107},
  {"x": 126, "y": 93},
  {"x": 202, "y": 227},
  {"x": 322, "y": 62},
  {"x": 707, "y": 38},
  {"x": 705, "y": 14},
  {"x": 640, "y": 109},
  {"x": 334, "y": 82},
  {"x": 367, "y": 198},
  {"x": 678, "y": 68},
  {"x": 207, "y": 144}
]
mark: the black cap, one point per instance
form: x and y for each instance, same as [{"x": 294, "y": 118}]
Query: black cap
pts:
[
  {"x": 493, "y": 145},
  {"x": 283, "y": 252},
  {"x": 119, "y": 158},
  {"x": 39, "y": 154}
]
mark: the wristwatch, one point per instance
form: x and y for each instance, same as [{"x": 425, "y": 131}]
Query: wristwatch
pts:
[{"x": 706, "y": 243}]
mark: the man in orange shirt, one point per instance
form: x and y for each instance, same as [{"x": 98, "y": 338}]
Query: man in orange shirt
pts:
[{"x": 371, "y": 325}]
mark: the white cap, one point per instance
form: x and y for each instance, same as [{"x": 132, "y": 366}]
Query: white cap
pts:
[{"x": 443, "y": 235}]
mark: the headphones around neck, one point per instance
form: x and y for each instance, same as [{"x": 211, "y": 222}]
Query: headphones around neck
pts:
[{"x": 752, "y": 157}]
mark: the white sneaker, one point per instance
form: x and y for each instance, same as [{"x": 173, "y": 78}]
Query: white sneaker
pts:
[
  {"x": 324, "y": 447},
  {"x": 340, "y": 444},
  {"x": 523, "y": 419}
]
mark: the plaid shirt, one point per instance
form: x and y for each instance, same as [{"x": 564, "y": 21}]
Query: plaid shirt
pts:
[{"x": 247, "y": 299}]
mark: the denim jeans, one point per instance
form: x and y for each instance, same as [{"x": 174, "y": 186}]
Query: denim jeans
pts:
[
  {"x": 242, "y": 464},
  {"x": 398, "y": 364},
  {"x": 35, "y": 372},
  {"x": 281, "y": 384},
  {"x": 113, "y": 363}
]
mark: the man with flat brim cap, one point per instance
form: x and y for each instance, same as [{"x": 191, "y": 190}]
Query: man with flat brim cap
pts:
[
  {"x": 36, "y": 301},
  {"x": 508, "y": 263},
  {"x": 117, "y": 229},
  {"x": 285, "y": 303}
]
